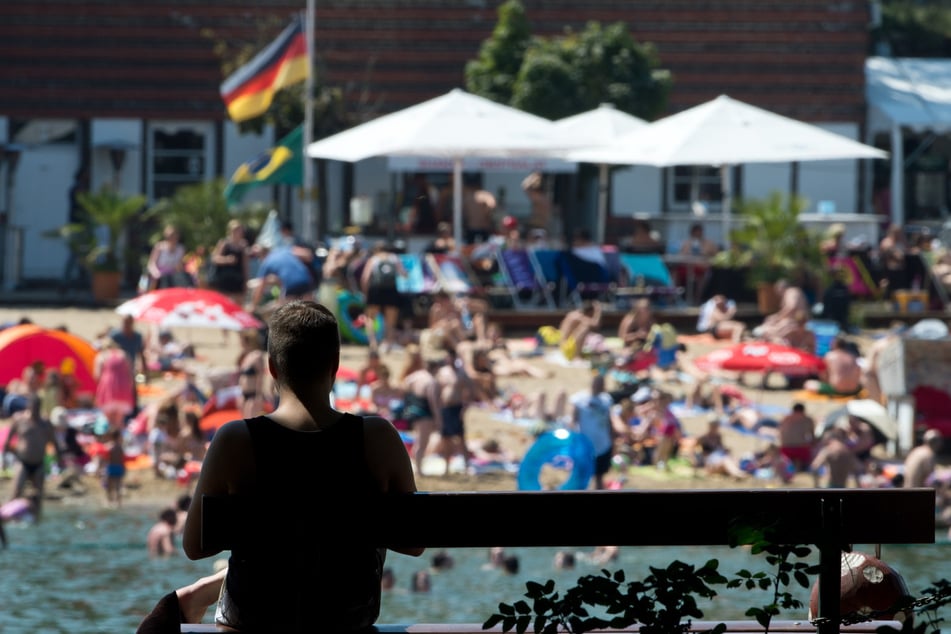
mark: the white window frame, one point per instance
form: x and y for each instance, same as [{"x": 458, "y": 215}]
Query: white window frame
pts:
[{"x": 206, "y": 154}]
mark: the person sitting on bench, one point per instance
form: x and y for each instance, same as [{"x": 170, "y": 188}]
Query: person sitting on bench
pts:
[{"x": 287, "y": 572}]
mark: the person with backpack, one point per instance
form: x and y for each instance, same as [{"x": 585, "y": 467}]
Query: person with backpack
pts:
[{"x": 378, "y": 283}]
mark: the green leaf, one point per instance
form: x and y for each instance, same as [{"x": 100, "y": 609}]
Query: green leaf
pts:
[{"x": 492, "y": 621}]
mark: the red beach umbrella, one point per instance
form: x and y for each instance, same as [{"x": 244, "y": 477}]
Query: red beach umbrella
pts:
[
  {"x": 192, "y": 307},
  {"x": 757, "y": 356}
]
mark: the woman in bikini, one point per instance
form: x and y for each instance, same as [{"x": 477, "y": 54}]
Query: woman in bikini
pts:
[{"x": 251, "y": 374}]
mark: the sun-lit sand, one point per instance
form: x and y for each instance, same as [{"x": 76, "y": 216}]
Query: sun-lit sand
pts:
[{"x": 216, "y": 349}]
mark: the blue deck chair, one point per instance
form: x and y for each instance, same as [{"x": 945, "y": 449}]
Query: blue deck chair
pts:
[
  {"x": 648, "y": 270},
  {"x": 414, "y": 282},
  {"x": 522, "y": 280},
  {"x": 585, "y": 279},
  {"x": 548, "y": 264}
]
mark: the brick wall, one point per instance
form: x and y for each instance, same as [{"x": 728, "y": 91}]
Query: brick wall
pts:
[{"x": 84, "y": 58}]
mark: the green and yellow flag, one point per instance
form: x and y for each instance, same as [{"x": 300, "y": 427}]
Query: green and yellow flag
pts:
[{"x": 282, "y": 164}]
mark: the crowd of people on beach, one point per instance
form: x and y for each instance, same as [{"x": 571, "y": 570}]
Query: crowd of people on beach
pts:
[
  {"x": 458, "y": 360},
  {"x": 644, "y": 381}
]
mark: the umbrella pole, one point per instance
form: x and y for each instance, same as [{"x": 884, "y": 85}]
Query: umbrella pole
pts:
[
  {"x": 726, "y": 210},
  {"x": 457, "y": 201},
  {"x": 603, "y": 181}
]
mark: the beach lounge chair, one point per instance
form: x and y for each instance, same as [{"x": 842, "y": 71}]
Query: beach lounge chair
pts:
[
  {"x": 549, "y": 266},
  {"x": 522, "y": 280},
  {"x": 646, "y": 274},
  {"x": 417, "y": 284},
  {"x": 586, "y": 279},
  {"x": 452, "y": 274}
]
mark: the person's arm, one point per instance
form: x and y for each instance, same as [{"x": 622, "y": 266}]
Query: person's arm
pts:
[
  {"x": 367, "y": 271},
  {"x": 621, "y": 429},
  {"x": 220, "y": 475},
  {"x": 152, "y": 266},
  {"x": 390, "y": 464},
  {"x": 218, "y": 256},
  {"x": 167, "y": 546},
  {"x": 304, "y": 254},
  {"x": 817, "y": 464},
  {"x": 624, "y": 327}
]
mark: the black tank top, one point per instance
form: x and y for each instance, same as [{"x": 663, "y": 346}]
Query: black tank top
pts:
[{"x": 294, "y": 575}]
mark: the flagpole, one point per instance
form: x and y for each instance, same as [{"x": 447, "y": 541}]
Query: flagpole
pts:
[{"x": 308, "y": 202}]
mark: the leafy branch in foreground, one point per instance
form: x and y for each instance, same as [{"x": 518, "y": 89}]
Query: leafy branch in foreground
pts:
[
  {"x": 664, "y": 602},
  {"x": 785, "y": 570}
]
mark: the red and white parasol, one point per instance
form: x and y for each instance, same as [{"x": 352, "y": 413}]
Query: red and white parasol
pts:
[
  {"x": 189, "y": 307},
  {"x": 755, "y": 356}
]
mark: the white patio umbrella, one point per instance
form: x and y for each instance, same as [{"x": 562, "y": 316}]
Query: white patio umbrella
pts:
[
  {"x": 726, "y": 132},
  {"x": 454, "y": 126},
  {"x": 599, "y": 127}
]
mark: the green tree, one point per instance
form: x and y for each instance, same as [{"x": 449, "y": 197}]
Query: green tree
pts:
[
  {"x": 912, "y": 28},
  {"x": 577, "y": 72},
  {"x": 492, "y": 75},
  {"x": 198, "y": 211},
  {"x": 564, "y": 75}
]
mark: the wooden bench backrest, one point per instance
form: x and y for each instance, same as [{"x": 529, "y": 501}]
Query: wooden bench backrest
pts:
[{"x": 830, "y": 519}]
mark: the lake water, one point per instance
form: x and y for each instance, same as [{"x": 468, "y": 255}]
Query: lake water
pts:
[{"x": 83, "y": 570}]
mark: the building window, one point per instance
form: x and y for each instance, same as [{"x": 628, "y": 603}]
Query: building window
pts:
[
  {"x": 178, "y": 156},
  {"x": 694, "y": 183}
]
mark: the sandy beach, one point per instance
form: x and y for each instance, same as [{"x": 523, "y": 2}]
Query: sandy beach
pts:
[{"x": 216, "y": 350}]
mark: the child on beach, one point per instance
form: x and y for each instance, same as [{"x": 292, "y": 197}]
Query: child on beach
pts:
[{"x": 114, "y": 470}]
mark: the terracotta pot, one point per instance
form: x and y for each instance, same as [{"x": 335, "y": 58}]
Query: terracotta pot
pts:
[{"x": 105, "y": 285}]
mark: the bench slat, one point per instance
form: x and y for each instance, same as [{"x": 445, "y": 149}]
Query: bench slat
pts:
[{"x": 777, "y": 627}]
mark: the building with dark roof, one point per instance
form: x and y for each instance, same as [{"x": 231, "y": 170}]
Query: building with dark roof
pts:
[{"x": 87, "y": 81}]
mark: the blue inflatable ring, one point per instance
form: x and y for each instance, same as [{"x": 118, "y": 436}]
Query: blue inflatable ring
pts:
[
  {"x": 561, "y": 448},
  {"x": 349, "y": 307}
]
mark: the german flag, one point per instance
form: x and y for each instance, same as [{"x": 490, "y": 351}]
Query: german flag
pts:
[{"x": 248, "y": 92}]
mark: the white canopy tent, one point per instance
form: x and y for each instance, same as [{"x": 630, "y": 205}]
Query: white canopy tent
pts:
[
  {"x": 601, "y": 126},
  {"x": 725, "y": 132},
  {"x": 454, "y": 126},
  {"x": 906, "y": 93}
]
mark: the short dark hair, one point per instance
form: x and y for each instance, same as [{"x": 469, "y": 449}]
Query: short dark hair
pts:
[
  {"x": 303, "y": 342},
  {"x": 798, "y": 407},
  {"x": 184, "y": 502},
  {"x": 169, "y": 516}
]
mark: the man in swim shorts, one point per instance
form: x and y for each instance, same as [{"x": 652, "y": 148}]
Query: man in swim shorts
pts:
[
  {"x": 842, "y": 376},
  {"x": 797, "y": 437},
  {"x": 33, "y": 435},
  {"x": 456, "y": 391}
]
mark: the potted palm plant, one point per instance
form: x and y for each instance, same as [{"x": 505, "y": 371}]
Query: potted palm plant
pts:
[
  {"x": 771, "y": 244},
  {"x": 112, "y": 210}
]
